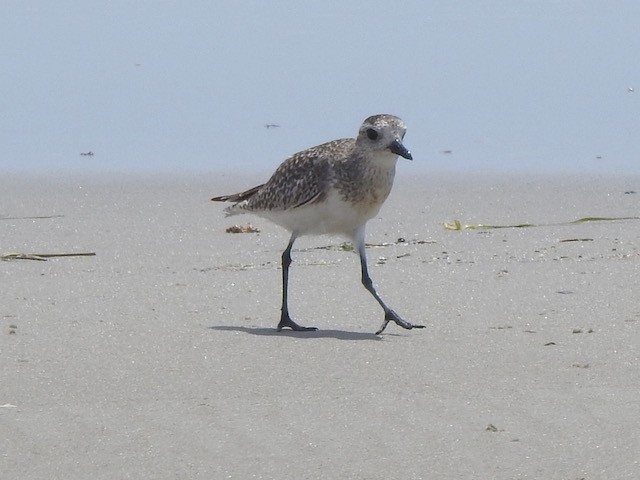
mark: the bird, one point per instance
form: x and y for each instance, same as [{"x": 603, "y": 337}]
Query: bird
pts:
[{"x": 332, "y": 188}]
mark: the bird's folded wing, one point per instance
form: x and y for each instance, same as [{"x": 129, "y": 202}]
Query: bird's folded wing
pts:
[{"x": 302, "y": 179}]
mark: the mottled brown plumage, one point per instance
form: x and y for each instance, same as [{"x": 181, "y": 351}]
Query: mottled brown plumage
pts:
[
  {"x": 303, "y": 178},
  {"x": 335, "y": 187}
]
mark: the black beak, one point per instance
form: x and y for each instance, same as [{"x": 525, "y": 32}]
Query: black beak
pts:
[{"x": 399, "y": 149}]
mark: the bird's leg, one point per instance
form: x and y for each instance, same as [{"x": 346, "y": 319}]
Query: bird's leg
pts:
[
  {"x": 285, "y": 319},
  {"x": 389, "y": 315}
]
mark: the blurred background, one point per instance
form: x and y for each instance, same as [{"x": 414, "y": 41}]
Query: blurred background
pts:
[{"x": 198, "y": 86}]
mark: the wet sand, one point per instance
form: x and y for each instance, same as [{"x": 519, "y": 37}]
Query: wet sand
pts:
[{"x": 158, "y": 356}]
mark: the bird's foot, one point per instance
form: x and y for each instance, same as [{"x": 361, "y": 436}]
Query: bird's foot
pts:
[
  {"x": 391, "y": 316},
  {"x": 287, "y": 322}
]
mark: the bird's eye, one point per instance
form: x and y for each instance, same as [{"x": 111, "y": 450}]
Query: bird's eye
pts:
[{"x": 372, "y": 134}]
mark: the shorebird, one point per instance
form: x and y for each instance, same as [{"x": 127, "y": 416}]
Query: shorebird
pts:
[{"x": 333, "y": 188}]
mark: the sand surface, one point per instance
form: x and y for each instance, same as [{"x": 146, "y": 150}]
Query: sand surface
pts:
[{"x": 158, "y": 358}]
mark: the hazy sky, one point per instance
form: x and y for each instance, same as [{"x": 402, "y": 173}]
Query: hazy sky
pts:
[{"x": 506, "y": 85}]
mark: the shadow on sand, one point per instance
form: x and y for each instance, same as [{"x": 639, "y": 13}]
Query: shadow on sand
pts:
[{"x": 272, "y": 332}]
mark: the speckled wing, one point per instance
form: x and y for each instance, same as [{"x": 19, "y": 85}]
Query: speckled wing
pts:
[{"x": 302, "y": 179}]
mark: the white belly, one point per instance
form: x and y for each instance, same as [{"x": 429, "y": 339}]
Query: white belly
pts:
[{"x": 332, "y": 215}]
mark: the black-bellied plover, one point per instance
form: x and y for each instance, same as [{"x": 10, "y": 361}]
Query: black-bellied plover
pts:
[{"x": 333, "y": 188}]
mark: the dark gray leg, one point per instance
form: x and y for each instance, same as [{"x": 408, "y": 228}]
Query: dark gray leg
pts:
[
  {"x": 389, "y": 315},
  {"x": 285, "y": 319}
]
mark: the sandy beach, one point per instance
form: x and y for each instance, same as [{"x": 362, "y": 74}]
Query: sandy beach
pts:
[{"x": 158, "y": 358}]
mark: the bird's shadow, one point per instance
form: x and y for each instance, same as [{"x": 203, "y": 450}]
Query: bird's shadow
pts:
[{"x": 312, "y": 334}]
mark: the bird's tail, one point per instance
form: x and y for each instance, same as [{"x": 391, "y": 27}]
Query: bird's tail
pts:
[{"x": 237, "y": 197}]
